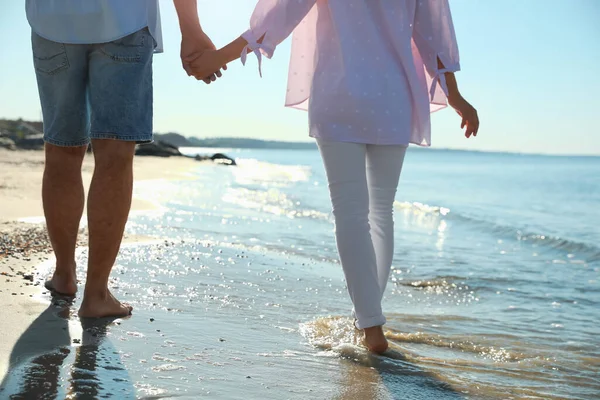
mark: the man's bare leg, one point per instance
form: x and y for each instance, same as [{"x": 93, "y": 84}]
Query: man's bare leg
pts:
[
  {"x": 109, "y": 201},
  {"x": 63, "y": 198}
]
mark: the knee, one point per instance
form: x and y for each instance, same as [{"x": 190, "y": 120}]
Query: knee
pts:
[
  {"x": 382, "y": 216},
  {"x": 113, "y": 153},
  {"x": 351, "y": 216},
  {"x": 64, "y": 159}
]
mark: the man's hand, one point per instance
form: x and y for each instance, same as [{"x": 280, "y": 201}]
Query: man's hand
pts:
[
  {"x": 194, "y": 46},
  {"x": 194, "y": 42}
]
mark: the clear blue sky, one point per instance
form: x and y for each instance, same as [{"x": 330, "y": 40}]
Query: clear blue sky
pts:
[{"x": 531, "y": 67}]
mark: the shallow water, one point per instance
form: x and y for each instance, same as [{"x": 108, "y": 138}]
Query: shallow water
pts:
[{"x": 494, "y": 293}]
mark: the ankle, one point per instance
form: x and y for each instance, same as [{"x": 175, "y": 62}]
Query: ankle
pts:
[
  {"x": 95, "y": 293},
  {"x": 66, "y": 268},
  {"x": 375, "y": 339}
]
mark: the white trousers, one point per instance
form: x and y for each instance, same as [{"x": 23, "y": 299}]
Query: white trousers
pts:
[{"x": 363, "y": 179}]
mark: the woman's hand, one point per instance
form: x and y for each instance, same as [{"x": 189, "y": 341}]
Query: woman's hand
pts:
[
  {"x": 206, "y": 67},
  {"x": 194, "y": 45},
  {"x": 470, "y": 120}
]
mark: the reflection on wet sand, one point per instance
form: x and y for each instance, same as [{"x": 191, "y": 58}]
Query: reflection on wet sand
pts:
[
  {"x": 37, "y": 357},
  {"x": 390, "y": 377},
  {"x": 360, "y": 382},
  {"x": 97, "y": 369},
  {"x": 44, "y": 365},
  {"x": 368, "y": 376}
]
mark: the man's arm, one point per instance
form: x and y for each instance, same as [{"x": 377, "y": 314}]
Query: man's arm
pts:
[
  {"x": 187, "y": 12},
  {"x": 194, "y": 42}
]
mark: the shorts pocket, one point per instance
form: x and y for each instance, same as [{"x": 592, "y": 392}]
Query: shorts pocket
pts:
[
  {"x": 133, "y": 48},
  {"x": 48, "y": 57}
]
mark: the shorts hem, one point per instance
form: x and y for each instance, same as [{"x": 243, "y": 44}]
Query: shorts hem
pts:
[
  {"x": 61, "y": 143},
  {"x": 123, "y": 138}
]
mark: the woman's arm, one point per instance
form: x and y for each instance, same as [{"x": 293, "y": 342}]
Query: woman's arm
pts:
[
  {"x": 272, "y": 22},
  {"x": 435, "y": 39},
  {"x": 470, "y": 119},
  {"x": 211, "y": 59},
  {"x": 234, "y": 50},
  {"x": 451, "y": 83}
]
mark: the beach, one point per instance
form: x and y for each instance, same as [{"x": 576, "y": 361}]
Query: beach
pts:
[
  {"x": 238, "y": 293},
  {"x": 24, "y": 240}
]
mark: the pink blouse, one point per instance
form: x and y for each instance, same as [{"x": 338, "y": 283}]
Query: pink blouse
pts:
[{"x": 366, "y": 70}]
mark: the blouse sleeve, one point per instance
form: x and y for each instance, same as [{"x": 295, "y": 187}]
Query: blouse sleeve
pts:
[
  {"x": 434, "y": 37},
  {"x": 273, "y": 21}
]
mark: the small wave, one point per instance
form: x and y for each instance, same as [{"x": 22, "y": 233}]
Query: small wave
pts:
[
  {"x": 427, "y": 318},
  {"x": 272, "y": 201},
  {"x": 168, "y": 367},
  {"x": 559, "y": 243},
  {"x": 495, "y": 354},
  {"x": 331, "y": 332},
  {"x": 444, "y": 373},
  {"x": 441, "y": 282},
  {"x": 339, "y": 335},
  {"x": 555, "y": 242},
  {"x": 251, "y": 171},
  {"x": 454, "y": 287},
  {"x": 420, "y": 208}
]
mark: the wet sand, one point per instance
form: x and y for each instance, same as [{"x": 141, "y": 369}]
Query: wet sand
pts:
[{"x": 24, "y": 246}]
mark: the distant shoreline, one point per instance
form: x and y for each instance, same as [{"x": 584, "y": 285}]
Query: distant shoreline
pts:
[
  {"x": 28, "y": 135},
  {"x": 260, "y": 144},
  {"x": 312, "y": 146}
]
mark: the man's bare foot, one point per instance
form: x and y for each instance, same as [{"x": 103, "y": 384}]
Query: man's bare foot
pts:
[
  {"x": 103, "y": 305},
  {"x": 64, "y": 284},
  {"x": 375, "y": 340}
]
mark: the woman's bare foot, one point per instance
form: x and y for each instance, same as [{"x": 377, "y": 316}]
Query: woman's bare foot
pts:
[
  {"x": 375, "y": 339},
  {"x": 103, "y": 305},
  {"x": 62, "y": 283}
]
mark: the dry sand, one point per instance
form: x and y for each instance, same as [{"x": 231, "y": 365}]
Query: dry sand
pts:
[
  {"x": 24, "y": 246},
  {"x": 21, "y": 179}
]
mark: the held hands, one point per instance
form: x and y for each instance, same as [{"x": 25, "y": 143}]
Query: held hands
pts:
[
  {"x": 202, "y": 65},
  {"x": 195, "y": 46},
  {"x": 470, "y": 120},
  {"x": 205, "y": 64}
]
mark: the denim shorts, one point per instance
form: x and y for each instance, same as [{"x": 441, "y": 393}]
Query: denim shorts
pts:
[{"x": 95, "y": 91}]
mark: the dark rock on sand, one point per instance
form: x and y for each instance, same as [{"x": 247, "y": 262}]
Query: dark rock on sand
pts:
[
  {"x": 7, "y": 143},
  {"x": 218, "y": 158},
  {"x": 161, "y": 148},
  {"x": 223, "y": 159},
  {"x": 23, "y": 134},
  {"x": 31, "y": 142}
]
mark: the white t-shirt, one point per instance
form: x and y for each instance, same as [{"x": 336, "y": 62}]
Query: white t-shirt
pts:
[{"x": 93, "y": 21}]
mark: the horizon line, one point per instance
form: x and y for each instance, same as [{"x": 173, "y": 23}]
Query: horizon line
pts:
[{"x": 523, "y": 153}]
